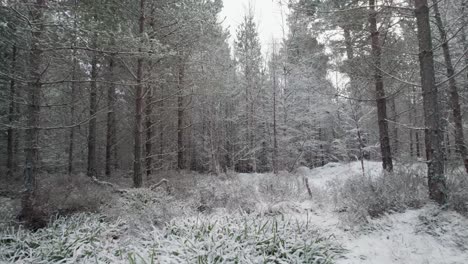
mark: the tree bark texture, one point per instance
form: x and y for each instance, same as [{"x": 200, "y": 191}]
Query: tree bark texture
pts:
[
  {"x": 33, "y": 111},
  {"x": 384, "y": 138},
  {"x": 111, "y": 131},
  {"x": 433, "y": 121},
  {"x": 92, "y": 128},
  {"x": 181, "y": 162},
  {"x": 12, "y": 132},
  {"x": 453, "y": 90},
  {"x": 137, "y": 174}
]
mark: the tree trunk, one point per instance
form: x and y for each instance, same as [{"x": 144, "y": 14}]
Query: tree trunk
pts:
[
  {"x": 411, "y": 133},
  {"x": 432, "y": 116},
  {"x": 387, "y": 163},
  {"x": 275, "y": 131},
  {"x": 453, "y": 90},
  {"x": 71, "y": 136},
  {"x": 180, "y": 117},
  {"x": 149, "y": 132},
  {"x": 11, "y": 133},
  {"x": 418, "y": 146},
  {"x": 33, "y": 113},
  {"x": 111, "y": 132},
  {"x": 395, "y": 127},
  {"x": 463, "y": 34},
  {"x": 92, "y": 128},
  {"x": 137, "y": 175},
  {"x": 161, "y": 125}
]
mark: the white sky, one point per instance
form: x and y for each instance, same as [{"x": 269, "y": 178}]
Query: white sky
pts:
[
  {"x": 267, "y": 17},
  {"x": 269, "y": 20}
]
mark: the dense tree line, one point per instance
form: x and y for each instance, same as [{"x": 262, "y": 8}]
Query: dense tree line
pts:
[{"x": 141, "y": 87}]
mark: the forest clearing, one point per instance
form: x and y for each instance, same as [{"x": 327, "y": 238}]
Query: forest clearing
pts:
[
  {"x": 234, "y": 131},
  {"x": 251, "y": 218}
]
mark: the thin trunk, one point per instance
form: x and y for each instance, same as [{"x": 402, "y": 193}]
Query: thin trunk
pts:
[
  {"x": 149, "y": 124},
  {"x": 322, "y": 152},
  {"x": 149, "y": 132},
  {"x": 387, "y": 163},
  {"x": 453, "y": 90},
  {"x": 137, "y": 175},
  {"x": 161, "y": 129},
  {"x": 432, "y": 116},
  {"x": 71, "y": 136},
  {"x": 348, "y": 43},
  {"x": 418, "y": 146},
  {"x": 11, "y": 133},
  {"x": 92, "y": 128},
  {"x": 464, "y": 39},
  {"x": 395, "y": 127},
  {"x": 180, "y": 118},
  {"x": 111, "y": 132},
  {"x": 447, "y": 145},
  {"x": 33, "y": 113},
  {"x": 275, "y": 131},
  {"x": 411, "y": 133},
  {"x": 361, "y": 148}
]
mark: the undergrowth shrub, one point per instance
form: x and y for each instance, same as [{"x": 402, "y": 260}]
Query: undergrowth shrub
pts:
[
  {"x": 282, "y": 187},
  {"x": 457, "y": 187},
  {"x": 62, "y": 195},
  {"x": 236, "y": 238},
  {"x": 244, "y": 239},
  {"x": 363, "y": 197},
  {"x": 144, "y": 208},
  {"x": 77, "y": 239}
]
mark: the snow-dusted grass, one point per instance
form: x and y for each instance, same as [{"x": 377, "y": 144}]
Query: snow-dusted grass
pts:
[
  {"x": 261, "y": 218},
  {"x": 369, "y": 196},
  {"x": 203, "y": 239}
]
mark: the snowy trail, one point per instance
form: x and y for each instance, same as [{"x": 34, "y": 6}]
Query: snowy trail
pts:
[
  {"x": 402, "y": 238},
  {"x": 424, "y": 236}
]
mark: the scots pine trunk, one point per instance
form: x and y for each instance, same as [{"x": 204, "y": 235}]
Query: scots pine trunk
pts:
[
  {"x": 385, "y": 150},
  {"x": 33, "y": 110},
  {"x": 275, "y": 131},
  {"x": 111, "y": 131},
  {"x": 149, "y": 131},
  {"x": 71, "y": 135},
  {"x": 92, "y": 128},
  {"x": 411, "y": 132},
  {"x": 431, "y": 104},
  {"x": 453, "y": 90},
  {"x": 161, "y": 126},
  {"x": 464, "y": 39},
  {"x": 12, "y": 132},
  {"x": 180, "y": 117},
  {"x": 395, "y": 139},
  {"x": 137, "y": 175}
]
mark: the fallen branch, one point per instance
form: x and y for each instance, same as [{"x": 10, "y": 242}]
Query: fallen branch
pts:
[
  {"x": 161, "y": 182},
  {"x": 108, "y": 184},
  {"x": 307, "y": 186}
]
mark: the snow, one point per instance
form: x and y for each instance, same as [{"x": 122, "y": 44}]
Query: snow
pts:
[
  {"x": 319, "y": 177},
  {"x": 429, "y": 235},
  {"x": 401, "y": 238}
]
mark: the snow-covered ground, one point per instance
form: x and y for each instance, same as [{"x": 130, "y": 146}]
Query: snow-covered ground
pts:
[
  {"x": 277, "y": 216},
  {"x": 339, "y": 171},
  {"x": 424, "y": 236}
]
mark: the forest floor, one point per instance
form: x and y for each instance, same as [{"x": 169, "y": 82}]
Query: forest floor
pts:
[{"x": 241, "y": 218}]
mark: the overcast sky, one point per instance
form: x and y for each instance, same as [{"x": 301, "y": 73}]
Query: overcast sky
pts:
[
  {"x": 269, "y": 22},
  {"x": 267, "y": 17}
]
